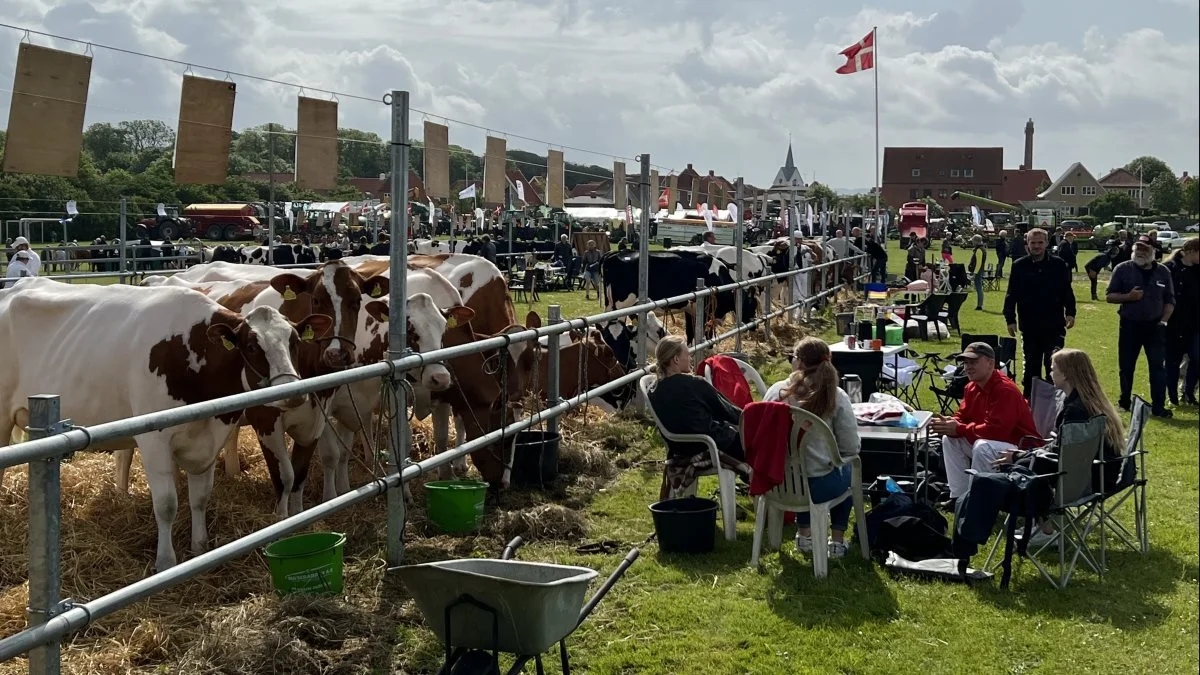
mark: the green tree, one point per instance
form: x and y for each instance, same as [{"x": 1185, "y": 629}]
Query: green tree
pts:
[
  {"x": 815, "y": 193},
  {"x": 1191, "y": 197},
  {"x": 1149, "y": 168},
  {"x": 1165, "y": 193},
  {"x": 1111, "y": 204}
]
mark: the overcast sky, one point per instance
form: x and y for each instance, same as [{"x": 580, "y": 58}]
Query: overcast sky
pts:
[{"x": 714, "y": 83}]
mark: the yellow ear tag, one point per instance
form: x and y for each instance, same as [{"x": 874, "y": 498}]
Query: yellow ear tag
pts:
[
  {"x": 376, "y": 292},
  {"x": 451, "y": 322},
  {"x": 289, "y": 294},
  {"x": 225, "y": 342},
  {"x": 308, "y": 334}
]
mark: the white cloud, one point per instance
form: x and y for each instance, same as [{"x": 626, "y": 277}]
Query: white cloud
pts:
[{"x": 718, "y": 85}]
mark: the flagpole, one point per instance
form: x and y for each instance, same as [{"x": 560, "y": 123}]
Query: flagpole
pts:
[{"x": 875, "y": 67}]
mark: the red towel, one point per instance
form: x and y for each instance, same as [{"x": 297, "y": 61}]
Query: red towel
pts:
[
  {"x": 728, "y": 379},
  {"x": 766, "y": 426}
]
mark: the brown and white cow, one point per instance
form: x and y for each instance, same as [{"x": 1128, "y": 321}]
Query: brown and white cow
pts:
[{"x": 162, "y": 348}]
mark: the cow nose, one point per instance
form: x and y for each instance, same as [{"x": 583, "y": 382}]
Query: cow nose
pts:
[
  {"x": 439, "y": 380},
  {"x": 337, "y": 356},
  {"x": 293, "y": 403}
]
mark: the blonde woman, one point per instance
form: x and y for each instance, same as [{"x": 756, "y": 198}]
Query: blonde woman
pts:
[
  {"x": 687, "y": 404},
  {"x": 813, "y": 386}
]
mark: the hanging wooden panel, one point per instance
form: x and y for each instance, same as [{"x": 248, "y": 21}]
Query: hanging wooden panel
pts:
[
  {"x": 494, "y": 180},
  {"x": 673, "y": 197},
  {"x": 555, "y": 179},
  {"x": 316, "y": 143},
  {"x": 620, "y": 199},
  {"x": 654, "y": 191},
  {"x": 205, "y": 130},
  {"x": 437, "y": 160},
  {"x": 45, "y": 116}
]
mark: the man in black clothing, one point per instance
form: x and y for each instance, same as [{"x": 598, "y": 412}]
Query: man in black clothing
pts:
[
  {"x": 1183, "y": 329},
  {"x": 879, "y": 258},
  {"x": 1146, "y": 294},
  {"x": 1001, "y": 253},
  {"x": 1068, "y": 252},
  {"x": 1105, "y": 259},
  {"x": 1041, "y": 304}
]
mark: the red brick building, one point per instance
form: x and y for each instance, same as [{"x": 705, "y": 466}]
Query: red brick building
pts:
[{"x": 910, "y": 174}]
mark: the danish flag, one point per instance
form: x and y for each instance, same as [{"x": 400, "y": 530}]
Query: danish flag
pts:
[{"x": 859, "y": 56}]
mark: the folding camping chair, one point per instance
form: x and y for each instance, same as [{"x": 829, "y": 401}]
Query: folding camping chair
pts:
[
  {"x": 865, "y": 363},
  {"x": 1075, "y": 510},
  {"x": 793, "y": 495},
  {"x": 923, "y": 314},
  {"x": 1045, "y": 401},
  {"x": 1130, "y": 486},
  {"x": 726, "y": 479}
]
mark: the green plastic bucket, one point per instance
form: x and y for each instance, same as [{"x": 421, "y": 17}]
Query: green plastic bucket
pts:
[
  {"x": 307, "y": 563},
  {"x": 455, "y": 505}
]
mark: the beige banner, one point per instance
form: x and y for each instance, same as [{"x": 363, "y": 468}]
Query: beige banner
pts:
[
  {"x": 655, "y": 191},
  {"x": 205, "y": 130},
  {"x": 493, "y": 171},
  {"x": 620, "y": 199},
  {"x": 316, "y": 143},
  {"x": 555, "y": 183},
  {"x": 673, "y": 195},
  {"x": 437, "y": 160},
  {"x": 45, "y": 117}
]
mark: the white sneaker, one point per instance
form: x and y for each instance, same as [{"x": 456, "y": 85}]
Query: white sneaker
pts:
[
  {"x": 837, "y": 549},
  {"x": 1039, "y": 539},
  {"x": 803, "y": 543}
]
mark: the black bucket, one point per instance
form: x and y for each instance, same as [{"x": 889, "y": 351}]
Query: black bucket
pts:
[
  {"x": 535, "y": 457},
  {"x": 686, "y": 525}
]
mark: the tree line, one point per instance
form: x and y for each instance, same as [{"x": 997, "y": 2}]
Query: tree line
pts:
[{"x": 133, "y": 159}]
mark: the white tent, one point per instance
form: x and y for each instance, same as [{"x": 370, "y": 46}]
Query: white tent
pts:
[{"x": 600, "y": 214}]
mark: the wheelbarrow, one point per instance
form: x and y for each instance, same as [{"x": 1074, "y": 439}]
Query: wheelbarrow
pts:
[{"x": 480, "y": 607}]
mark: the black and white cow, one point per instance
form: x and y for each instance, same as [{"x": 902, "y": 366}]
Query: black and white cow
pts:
[{"x": 672, "y": 273}]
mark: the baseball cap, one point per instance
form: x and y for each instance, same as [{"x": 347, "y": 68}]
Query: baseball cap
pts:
[
  {"x": 977, "y": 349},
  {"x": 19, "y": 241},
  {"x": 1143, "y": 239}
]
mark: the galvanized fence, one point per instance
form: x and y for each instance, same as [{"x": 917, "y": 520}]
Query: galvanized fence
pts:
[{"x": 53, "y": 619}]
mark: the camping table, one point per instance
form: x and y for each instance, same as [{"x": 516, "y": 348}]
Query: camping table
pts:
[{"x": 910, "y": 440}]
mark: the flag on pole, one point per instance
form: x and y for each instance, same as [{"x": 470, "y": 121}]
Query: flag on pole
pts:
[
  {"x": 468, "y": 193},
  {"x": 521, "y": 191},
  {"x": 859, "y": 56},
  {"x": 707, "y": 214}
]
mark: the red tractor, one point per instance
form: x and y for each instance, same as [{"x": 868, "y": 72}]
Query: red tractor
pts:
[{"x": 217, "y": 222}]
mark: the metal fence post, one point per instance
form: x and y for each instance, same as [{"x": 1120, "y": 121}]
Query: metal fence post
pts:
[
  {"x": 741, "y": 275},
  {"x": 44, "y": 524},
  {"x": 553, "y": 365},
  {"x": 124, "y": 234},
  {"x": 698, "y": 319},
  {"x": 271, "y": 197},
  {"x": 398, "y": 322},
  {"x": 770, "y": 289},
  {"x": 644, "y": 257}
]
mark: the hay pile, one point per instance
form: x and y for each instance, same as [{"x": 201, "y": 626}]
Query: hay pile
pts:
[{"x": 230, "y": 620}]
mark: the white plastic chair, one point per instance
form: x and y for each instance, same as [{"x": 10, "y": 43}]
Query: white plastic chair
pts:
[
  {"x": 725, "y": 478},
  {"x": 792, "y": 495},
  {"x": 748, "y": 372}
]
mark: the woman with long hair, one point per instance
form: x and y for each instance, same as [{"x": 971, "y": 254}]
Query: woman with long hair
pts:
[
  {"x": 687, "y": 404},
  {"x": 1073, "y": 373},
  {"x": 813, "y": 386}
]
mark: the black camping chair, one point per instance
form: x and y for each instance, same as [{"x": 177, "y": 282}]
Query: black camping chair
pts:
[
  {"x": 953, "y": 305},
  {"x": 866, "y": 364},
  {"x": 927, "y": 311}
]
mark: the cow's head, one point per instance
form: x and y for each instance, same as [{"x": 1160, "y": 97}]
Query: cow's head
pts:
[
  {"x": 428, "y": 326},
  {"x": 337, "y": 291},
  {"x": 267, "y": 344}
]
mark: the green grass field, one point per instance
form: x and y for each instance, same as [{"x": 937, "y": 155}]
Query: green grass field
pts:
[{"x": 714, "y": 614}]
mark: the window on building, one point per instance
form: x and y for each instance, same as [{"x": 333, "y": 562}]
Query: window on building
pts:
[
  {"x": 912, "y": 194},
  {"x": 1089, "y": 190},
  {"x": 941, "y": 172},
  {"x": 1067, "y": 190},
  {"x": 968, "y": 173},
  {"x": 916, "y": 173},
  {"x": 942, "y": 194},
  {"x": 954, "y": 173},
  {"x": 926, "y": 193},
  {"x": 986, "y": 194}
]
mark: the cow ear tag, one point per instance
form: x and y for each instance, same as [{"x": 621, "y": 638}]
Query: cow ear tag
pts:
[
  {"x": 289, "y": 294},
  {"x": 451, "y": 322},
  {"x": 227, "y": 343},
  {"x": 376, "y": 292},
  {"x": 308, "y": 334}
]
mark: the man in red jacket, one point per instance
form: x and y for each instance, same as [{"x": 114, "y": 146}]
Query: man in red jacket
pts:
[{"x": 994, "y": 417}]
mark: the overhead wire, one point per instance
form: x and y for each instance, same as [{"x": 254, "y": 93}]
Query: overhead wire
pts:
[{"x": 304, "y": 88}]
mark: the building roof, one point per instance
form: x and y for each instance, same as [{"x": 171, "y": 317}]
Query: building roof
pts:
[
  {"x": 382, "y": 185},
  {"x": 532, "y": 198},
  {"x": 898, "y": 163},
  {"x": 1075, "y": 168},
  {"x": 592, "y": 189},
  {"x": 1121, "y": 178},
  {"x": 1022, "y": 185}
]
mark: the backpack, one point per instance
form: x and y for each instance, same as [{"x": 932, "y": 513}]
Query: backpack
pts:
[
  {"x": 912, "y": 530},
  {"x": 974, "y": 259}
]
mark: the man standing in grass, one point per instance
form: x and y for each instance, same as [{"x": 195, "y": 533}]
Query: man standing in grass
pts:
[
  {"x": 1146, "y": 294},
  {"x": 1041, "y": 303}
]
